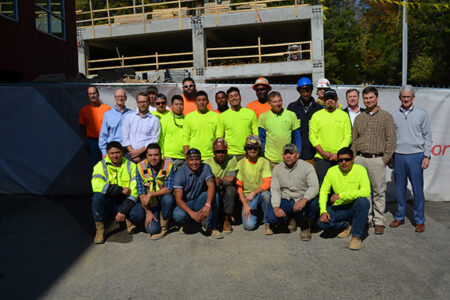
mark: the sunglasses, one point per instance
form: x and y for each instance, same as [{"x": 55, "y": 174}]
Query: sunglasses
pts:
[
  {"x": 260, "y": 90},
  {"x": 220, "y": 151},
  {"x": 160, "y": 103},
  {"x": 251, "y": 148},
  {"x": 186, "y": 86},
  {"x": 344, "y": 159}
]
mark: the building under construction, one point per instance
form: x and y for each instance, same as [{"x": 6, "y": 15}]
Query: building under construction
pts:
[{"x": 220, "y": 41}]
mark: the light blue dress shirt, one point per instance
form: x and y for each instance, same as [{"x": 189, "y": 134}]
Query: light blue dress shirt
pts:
[{"x": 112, "y": 127}]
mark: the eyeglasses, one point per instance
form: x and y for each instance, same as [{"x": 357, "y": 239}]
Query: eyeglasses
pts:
[
  {"x": 160, "y": 103},
  {"x": 260, "y": 90},
  {"x": 220, "y": 151},
  {"x": 344, "y": 159},
  {"x": 186, "y": 86}
]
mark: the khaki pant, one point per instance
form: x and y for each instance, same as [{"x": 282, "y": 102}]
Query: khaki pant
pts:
[{"x": 377, "y": 176}]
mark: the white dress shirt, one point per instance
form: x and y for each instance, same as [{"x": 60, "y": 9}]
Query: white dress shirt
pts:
[{"x": 138, "y": 131}]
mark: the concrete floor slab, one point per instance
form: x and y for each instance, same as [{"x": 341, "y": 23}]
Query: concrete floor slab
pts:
[{"x": 47, "y": 253}]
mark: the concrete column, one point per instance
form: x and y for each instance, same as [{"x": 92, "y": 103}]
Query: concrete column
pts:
[
  {"x": 318, "y": 56},
  {"x": 198, "y": 48},
  {"x": 83, "y": 53}
]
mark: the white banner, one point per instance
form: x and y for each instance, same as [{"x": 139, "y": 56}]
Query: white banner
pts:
[{"x": 43, "y": 151}]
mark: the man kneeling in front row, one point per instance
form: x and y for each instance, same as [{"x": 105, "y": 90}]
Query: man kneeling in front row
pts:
[
  {"x": 294, "y": 189},
  {"x": 114, "y": 187},
  {"x": 351, "y": 187},
  {"x": 195, "y": 193},
  {"x": 155, "y": 185}
]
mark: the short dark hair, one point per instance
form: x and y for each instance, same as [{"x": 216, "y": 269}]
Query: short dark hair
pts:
[
  {"x": 370, "y": 89},
  {"x": 153, "y": 146},
  {"x": 233, "y": 89},
  {"x": 346, "y": 150},
  {"x": 92, "y": 86},
  {"x": 188, "y": 79},
  {"x": 176, "y": 97},
  {"x": 151, "y": 90},
  {"x": 114, "y": 144},
  {"x": 220, "y": 92},
  {"x": 160, "y": 96},
  {"x": 201, "y": 93},
  {"x": 350, "y": 91},
  {"x": 143, "y": 94}
]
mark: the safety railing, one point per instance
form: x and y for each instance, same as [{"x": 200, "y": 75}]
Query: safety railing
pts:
[
  {"x": 143, "y": 63},
  {"x": 144, "y": 13},
  {"x": 258, "y": 53}
]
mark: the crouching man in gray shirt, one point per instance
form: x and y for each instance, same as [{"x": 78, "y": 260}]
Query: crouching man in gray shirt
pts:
[{"x": 294, "y": 190}]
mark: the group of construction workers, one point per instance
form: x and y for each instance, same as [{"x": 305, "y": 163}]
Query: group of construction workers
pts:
[{"x": 312, "y": 163}]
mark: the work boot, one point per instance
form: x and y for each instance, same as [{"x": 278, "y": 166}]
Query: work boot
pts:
[
  {"x": 215, "y": 234},
  {"x": 227, "y": 228},
  {"x": 131, "y": 228},
  {"x": 292, "y": 225},
  {"x": 355, "y": 244},
  {"x": 164, "y": 229},
  {"x": 305, "y": 233},
  {"x": 267, "y": 229},
  {"x": 345, "y": 233},
  {"x": 99, "y": 233}
]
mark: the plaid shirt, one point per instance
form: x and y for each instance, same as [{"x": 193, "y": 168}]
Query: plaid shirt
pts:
[
  {"x": 140, "y": 183},
  {"x": 374, "y": 134}
]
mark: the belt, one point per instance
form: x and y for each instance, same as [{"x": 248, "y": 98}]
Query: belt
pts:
[{"x": 367, "y": 155}]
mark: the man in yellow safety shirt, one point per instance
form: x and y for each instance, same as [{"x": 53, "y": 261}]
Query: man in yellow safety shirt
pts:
[{"x": 170, "y": 140}]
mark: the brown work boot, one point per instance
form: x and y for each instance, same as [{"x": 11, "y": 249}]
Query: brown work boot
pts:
[
  {"x": 99, "y": 233},
  {"x": 227, "y": 228},
  {"x": 379, "y": 229},
  {"x": 215, "y": 234},
  {"x": 292, "y": 225},
  {"x": 305, "y": 233},
  {"x": 267, "y": 229},
  {"x": 355, "y": 244},
  {"x": 131, "y": 228},
  {"x": 346, "y": 232},
  {"x": 164, "y": 230}
]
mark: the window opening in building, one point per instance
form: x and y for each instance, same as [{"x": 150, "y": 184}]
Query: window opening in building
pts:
[
  {"x": 8, "y": 8},
  {"x": 50, "y": 17}
]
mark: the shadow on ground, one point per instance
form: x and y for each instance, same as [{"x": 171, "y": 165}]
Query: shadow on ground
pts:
[
  {"x": 41, "y": 239},
  {"x": 47, "y": 252}
]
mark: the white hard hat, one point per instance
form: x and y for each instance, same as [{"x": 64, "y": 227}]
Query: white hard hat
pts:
[{"x": 323, "y": 83}]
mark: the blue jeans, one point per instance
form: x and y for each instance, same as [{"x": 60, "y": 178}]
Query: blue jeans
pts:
[
  {"x": 181, "y": 216},
  {"x": 340, "y": 216},
  {"x": 409, "y": 166},
  {"x": 309, "y": 212},
  {"x": 103, "y": 206},
  {"x": 95, "y": 155},
  {"x": 165, "y": 206},
  {"x": 261, "y": 200}
]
